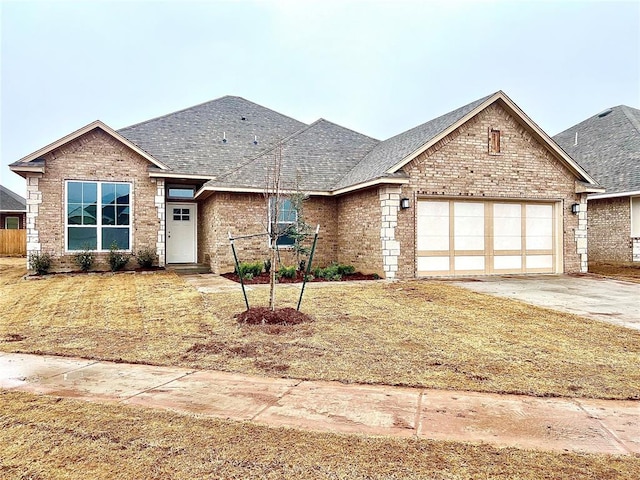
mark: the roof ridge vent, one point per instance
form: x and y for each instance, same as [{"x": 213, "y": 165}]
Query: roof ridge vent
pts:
[{"x": 604, "y": 113}]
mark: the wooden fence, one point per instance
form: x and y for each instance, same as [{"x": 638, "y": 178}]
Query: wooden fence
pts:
[{"x": 13, "y": 242}]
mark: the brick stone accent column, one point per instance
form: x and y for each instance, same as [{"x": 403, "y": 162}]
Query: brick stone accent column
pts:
[
  {"x": 389, "y": 206},
  {"x": 580, "y": 235},
  {"x": 161, "y": 209},
  {"x": 34, "y": 199}
]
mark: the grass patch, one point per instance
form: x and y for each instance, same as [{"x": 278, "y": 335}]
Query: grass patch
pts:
[
  {"x": 422, "y": 334},
  {"x": 45, "y": 437}
]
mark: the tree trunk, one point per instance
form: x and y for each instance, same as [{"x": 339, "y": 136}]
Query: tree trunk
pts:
[{"x": 272, "y": 276}]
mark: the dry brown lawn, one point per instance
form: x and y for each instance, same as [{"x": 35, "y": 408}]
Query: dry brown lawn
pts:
[
  {"x": 50, "y": 438},
  {"x": 628, "y": 271},
  {"x": 427, "y": 334}
]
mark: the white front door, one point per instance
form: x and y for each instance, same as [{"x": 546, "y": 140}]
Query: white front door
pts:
[{"x": 181, "y": 232}]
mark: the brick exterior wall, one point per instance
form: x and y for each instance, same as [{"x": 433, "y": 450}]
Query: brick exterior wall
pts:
[
  {"x": 609, "y": 231},
  {"x": 460, "y": 166},
  {"x": 359, "y": 230},
  {"x": 95, "y": 156},
  {"x": 246, "y": 214}
]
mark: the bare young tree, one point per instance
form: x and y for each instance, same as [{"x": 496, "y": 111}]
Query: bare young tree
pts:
[{"x": 272, "y": 197}]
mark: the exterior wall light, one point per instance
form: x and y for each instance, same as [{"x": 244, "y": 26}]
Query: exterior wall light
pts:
[
  {"x": 575, "y": 208},
  {"x": 404, "y": 203}
]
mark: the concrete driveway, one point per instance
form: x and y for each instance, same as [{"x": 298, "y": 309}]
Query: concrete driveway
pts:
[{"x": 612, "y": 301}]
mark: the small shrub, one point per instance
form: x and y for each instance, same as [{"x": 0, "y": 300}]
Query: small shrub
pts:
[
  {"x": 146, "y": 257},
  {"x": 331, "y": 273},
  {"x": 346, "y": 269},
  {"x": 40, "y": 262},
  {"x": 287, "y": 272},
  {"x": 302, "y": 265},
  {"x": 248, "y": 268},
  {"x": 267, "y": 265},
  {"x": 334, "y": 272},
  {"x": 117, "y": 258},
  {"x": 84, "y": 260}
]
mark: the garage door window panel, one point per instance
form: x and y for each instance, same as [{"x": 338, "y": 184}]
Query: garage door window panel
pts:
[
  {"x": 434, "y": 217},
  {"x": 468, "y": 226}
]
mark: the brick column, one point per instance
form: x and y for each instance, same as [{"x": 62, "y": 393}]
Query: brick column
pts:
[
  {"x": 160, "y": 209},
  {"x": 580, "y": 235},
  {"x": 389, "y": 206},
  {"x": 34, "y": 199}
]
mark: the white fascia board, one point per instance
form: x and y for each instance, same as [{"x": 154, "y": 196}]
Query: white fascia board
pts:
[
  {"x": 187, "y": 176},
  {"x": 377, "y": 181},
  {"x": 315, "y": 193},
  {"x": 27, "y": 168},
  {"x": 599, "y": 196}
]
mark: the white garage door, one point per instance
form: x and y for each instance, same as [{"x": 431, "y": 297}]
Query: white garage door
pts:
[{"x": 474, "y": 238}]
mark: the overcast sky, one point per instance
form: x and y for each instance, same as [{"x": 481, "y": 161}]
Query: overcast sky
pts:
[{"x": 377, "y": 67}]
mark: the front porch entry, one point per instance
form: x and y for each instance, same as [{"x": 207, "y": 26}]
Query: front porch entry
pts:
[{"x": 181, "y": 232}]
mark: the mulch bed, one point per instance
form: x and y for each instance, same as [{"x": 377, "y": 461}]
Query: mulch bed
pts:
[
  {"x": 264, "y": 278},
  {"x": 279, "y": 316}
]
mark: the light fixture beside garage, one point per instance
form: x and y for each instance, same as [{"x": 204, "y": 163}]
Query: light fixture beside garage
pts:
[
  {"x": 404, "y": 203},
  {"x": 575, "y": 208}
]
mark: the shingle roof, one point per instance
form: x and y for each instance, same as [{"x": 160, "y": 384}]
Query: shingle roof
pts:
[
  {"x": 191, "y": 141},
  {"x": 392, "y": 151},
  {"x": 313, "y": 159},
  {"x": 608, "y": 147},
  {"x": 11, "y": 201}
]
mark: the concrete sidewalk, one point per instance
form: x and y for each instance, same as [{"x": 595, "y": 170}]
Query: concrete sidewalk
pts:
[{"x": 561, "y": 424}]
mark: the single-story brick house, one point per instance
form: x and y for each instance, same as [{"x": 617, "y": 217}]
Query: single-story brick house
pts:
[
  {"x": 607, "y": 145},
  {"x": 13, "y": 210},
  {"x": 479, "y": 190}
]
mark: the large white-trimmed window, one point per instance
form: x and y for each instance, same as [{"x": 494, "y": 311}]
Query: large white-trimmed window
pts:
[
  {"x": 98, "y": 215},
  {"x": 287, "y": 217}
]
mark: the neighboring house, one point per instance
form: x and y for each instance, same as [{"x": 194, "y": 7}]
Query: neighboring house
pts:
[
  {"x": 479, "y": 190},
  {"x": 607, "y": 145},
  {"x": 13, "y": 209}
]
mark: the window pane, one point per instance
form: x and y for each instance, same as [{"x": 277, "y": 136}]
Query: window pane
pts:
[
  {"x": 89, "y": 215},
  {"x": 287, "y": 212},
  {"x": 284, "y": 241},
  {"x": 82, "y": 238},
  {"x": 108, "y": 193},
  {"x": 74, "y": 192},
  {"x": 122, "y": 194},
  {"x": 74, "y": 214},
  {"x": 12, "y": 223},
  {"x": 109, "y": 215},
  {"x": 89, "y": 192},
  {"x": 123, "y": 215},
  {"x": 181, "y": 192},
  {"x": 118, "y": 235}
]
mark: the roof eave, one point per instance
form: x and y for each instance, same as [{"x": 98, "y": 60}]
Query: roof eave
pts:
[
  {"x": 157, "y": 173},
  {"x": 73, "y": 135},
  {"x": 371, "y": 183},
  {"x": 584, "y": 187},
  {"x": 23, "y": 170},
  {"x": 632, "y": 193},
  {"x": 552, "y": 146},
  {"x": 208, "y": 190}
]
